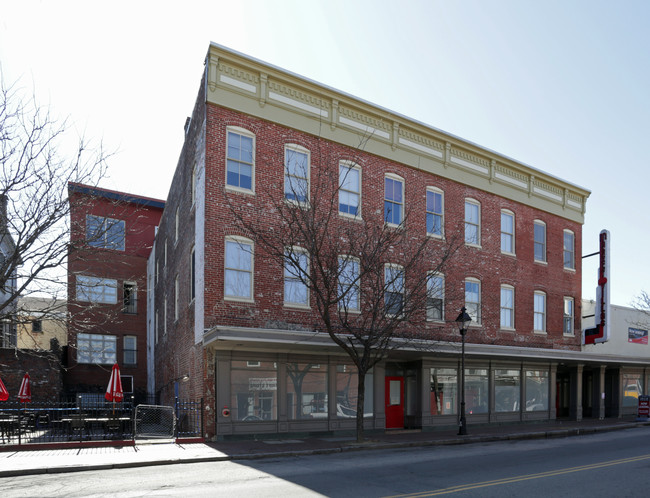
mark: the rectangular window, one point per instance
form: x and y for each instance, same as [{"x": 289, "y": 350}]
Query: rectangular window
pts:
[
  {"x": 105, "y": 233},
  {"x": 239, "y": 269},
  {"x": 507, "y": 307},
  {"x": 568, "y": 316},
  {"x": 176, "y": 221},
  {"x": 130, "y": 350},
  {"x": 507, "y": 390},
  {"x": 296, "y": 276},
  {"x": 96, "y": 290},
  {"x": 393, "y": 289},
  {"x": 192, "y": 275},
  {"x": 306, "y": 391},
  {"x": 507, "y": 232},
  {"x": 434, "y": 212},
  {"x": 540, "y": 312},
  {"x": 435, "y": 297},
  {"x": 254, "y": 391},
  {"x": 472, "y": 223},
  {"x": 130, "y": 298},
  {"x": 9, "y": 334},
  {"x": 176, "y": 298},
  {"x": 37, "y": 325},
  {"x": 444, "y": 391},
  {"x": 296, "y": 174},
  {"x": 349, "y": 284},
  {"x": 349, "y": 190},
  {"x": 239, "y": 171},
  {"x": 476, "y": 390},
  {"x": 347, "y": 392},
  {"x": 569, "y": 250},
  {"x": 537, "y": 389},
  {"x": 393, "y": 200},
  {"x": 540, "y": 241},
  {"x": 473, "y": 299},
  {"x": 97, "y": 349}
]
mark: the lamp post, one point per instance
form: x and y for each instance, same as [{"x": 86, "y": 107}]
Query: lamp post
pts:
[{"x": 463, "y": 322}]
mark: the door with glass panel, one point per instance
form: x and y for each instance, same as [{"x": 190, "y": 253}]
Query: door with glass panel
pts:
[{"x": 394, "y": 402}]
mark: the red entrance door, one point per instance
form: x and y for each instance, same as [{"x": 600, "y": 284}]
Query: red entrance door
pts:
[{"x": 394, "y": 402}]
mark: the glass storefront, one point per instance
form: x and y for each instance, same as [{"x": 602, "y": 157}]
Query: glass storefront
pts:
[
  {"x": 507, "y": 390},
  {"x": 537, "y": 385},
  {"x": 347, "y": 392},
  {"x": 306, "y": 391},
  {"x": 477, "y": 393},
  {"x": 254, "y": 389},
  {"x": 632, "y": 387},
  {"x": 444, "y": 390}
]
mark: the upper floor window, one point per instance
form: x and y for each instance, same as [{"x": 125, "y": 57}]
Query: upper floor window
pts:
[
  {"x": 435, "y": 212},
  {"x": 473, "y": 299},
  {"x": 507, "y": 307},
  {"x": 130, "y": 296},
  {"x": 540, "y": 240},
  {"x": 240, "y": 159},
  {"x": 130, "y": 350},
  {"x": 238, "y": 277},
  {"x": 393, "y": 200},
  {"x": 193, "y": 185},
  {"x": 37, "y": 325},
  {"x": 435, "y": 297},
  {"x": 539, "y": 311},
  {"x": 96, "y": 348},
  {"x": 106, "y": 233},
  {"x": 394, "y": 289},
  {"x": 472, "y": 222},
  {"x": 176, "y": 225},
  {"x": 349, "y": 288},
  {"x": 568, "y": 316},
  {"x": 96, "y": 290},
  {"x": 507, "y": 232},
  {"x": 349, "y": 189},
  {"x": 296, "y": 173},
  {"x": 296, "y": 276},
  {"x": 193, "y": 275},
  {"x": 569, "y": 250}
]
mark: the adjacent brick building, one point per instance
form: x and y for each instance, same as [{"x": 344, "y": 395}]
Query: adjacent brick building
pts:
[
  {"x": 112, "y": 235},
  {"x": 225, "y": 330}
]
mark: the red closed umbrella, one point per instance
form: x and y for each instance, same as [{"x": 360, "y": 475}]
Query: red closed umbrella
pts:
[
  {"x": 25, "y": 392},
  {"x": 114, "y": 390},
  {"x": 4, "y": 394}
]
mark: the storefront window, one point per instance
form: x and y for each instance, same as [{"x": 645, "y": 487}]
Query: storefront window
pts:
[
  {"x": 347, "y": 392},
  {"x": 536, "y": 390},
  {"x": 632, "y": 387},
  {"x": 444, "y": 389},
  {"x": 507, "y": 388},
  {"x": 476, "y": 390},
  {"x": 254, "y": 388},
  {"x": 306, "y": 391}
]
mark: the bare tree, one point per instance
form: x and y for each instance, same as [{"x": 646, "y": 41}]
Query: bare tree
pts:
[{"x": 370, "y": 276}]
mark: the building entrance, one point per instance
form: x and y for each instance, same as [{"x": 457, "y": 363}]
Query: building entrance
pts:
[{"x": 394, "y": 402}]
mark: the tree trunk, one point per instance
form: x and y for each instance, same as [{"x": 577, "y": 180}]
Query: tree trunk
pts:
[{"x": 361, "y": 398}]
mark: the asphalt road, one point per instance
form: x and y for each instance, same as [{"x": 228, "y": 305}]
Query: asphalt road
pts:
[{"x": 614, "y": 464}]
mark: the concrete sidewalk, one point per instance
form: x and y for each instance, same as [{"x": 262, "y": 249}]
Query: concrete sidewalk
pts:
[{"x": 30, "y": 462}]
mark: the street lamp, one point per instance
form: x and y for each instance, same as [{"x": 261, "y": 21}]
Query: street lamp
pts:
[{"x": 463, "y": 322}]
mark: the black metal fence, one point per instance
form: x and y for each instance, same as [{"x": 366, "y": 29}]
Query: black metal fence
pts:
[{"x": 88, "y": 418}]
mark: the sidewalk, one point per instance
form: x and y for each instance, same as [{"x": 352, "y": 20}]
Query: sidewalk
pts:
[{"x": 30, "y": 462}]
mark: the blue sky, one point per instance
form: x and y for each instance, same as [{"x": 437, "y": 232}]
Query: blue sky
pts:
[{"x": 559, "y": 85}]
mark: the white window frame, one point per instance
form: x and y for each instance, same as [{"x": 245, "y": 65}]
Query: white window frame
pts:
[
  {"x": 236, "y": 130},
  {"x": 476, "y": 317},
  {"x": 297, "y": 149},
  {"x": 291, "y": 276},
  {"x": 176, "y": 298},
  {"x": 402, "y": 204},
  {"x": 539, "y": 314},
  {"x": 568, "y": 318},
  {"x": 102, "y": 354},
  {"x": 441, "y": 214},
  {"x": 349, "y": 166},
  {"x": 390, "y": 282},
  {"x": 193, "y": 185},
  {"x": 439, "y": 294},
  {"x": 352, "y": 281},
  {"x": 508, "y": 309},
  {"x": 477, "y": 205},
  {"x": 233, "y": 241},
  {"x": 571, "y": 250},
  {"x": 133, "y": 351},
  {"x": 131, "y": 308},
  {"x": 539, "y": 223},
  {"x": 96, "y": 290},
  {"x": 101, "y": 240},
  {"x": 176, "y": 225},
  {"x": 511, "y": 235},
  {"x": 192, "y": 274}
]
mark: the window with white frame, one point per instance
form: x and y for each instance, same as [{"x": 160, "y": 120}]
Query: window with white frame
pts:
[
  {"x": 507, "y": 232},
  {"x": 540, "y": 240},
  {"x": 393, "y": 289},
  {"x": 568, "y": 316},
  {"x": 296, "y": 276},
  {"x": 130, "y": 350},
  {"x": 176, "y": 227},
  {"x": 349, "y": 189},
  {"x": 238, "y": 281},
  {"x": 176, "y": 298},
  {"x": 539, "y": 312},
  {"x": 435, "y": 297},
  {"x": 435, "y": 216},
  {"x": 240, "y": 159},
  {"x": 106, "y": 233},
  {"x": 130, "y": 297},
  {"x": 507, "y": 307},
  {"x": 296, "y": 173},
  {"x": 569, "y": 250},
  {"x": 96, "y": 290},
  {"x": 473, "y": 299},
  {"x": 193, "y": 185},
  {"x": 96, "y": 348},
  {"x": 472, "y": 222},
  {"x": 192, "y": 275},
  {"x": 349, "y": 288},
  {"x": 393, "y": 199}
]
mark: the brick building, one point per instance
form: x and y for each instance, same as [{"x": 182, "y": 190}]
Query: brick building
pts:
[
  {"x": 112, "y": 235},
  {"x": 226, "y": 330}
]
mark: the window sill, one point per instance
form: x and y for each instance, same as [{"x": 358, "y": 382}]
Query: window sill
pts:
[
  {"x": 239, "y": 190},
  {"x": 239, "y": 299},
  {"x": 475, "y": 246},
  {"x": 540, "y": 332},
  {"x": 350, "y": 217},
  {"x": 436, "y": 236},
  {"x": 297, "y": 306},
  {"x": 539, "y": 262},
  {"x": 569, "y": 270},
  {"x": 507, "y": 329},
  {"x": 511, "y": 254}
]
